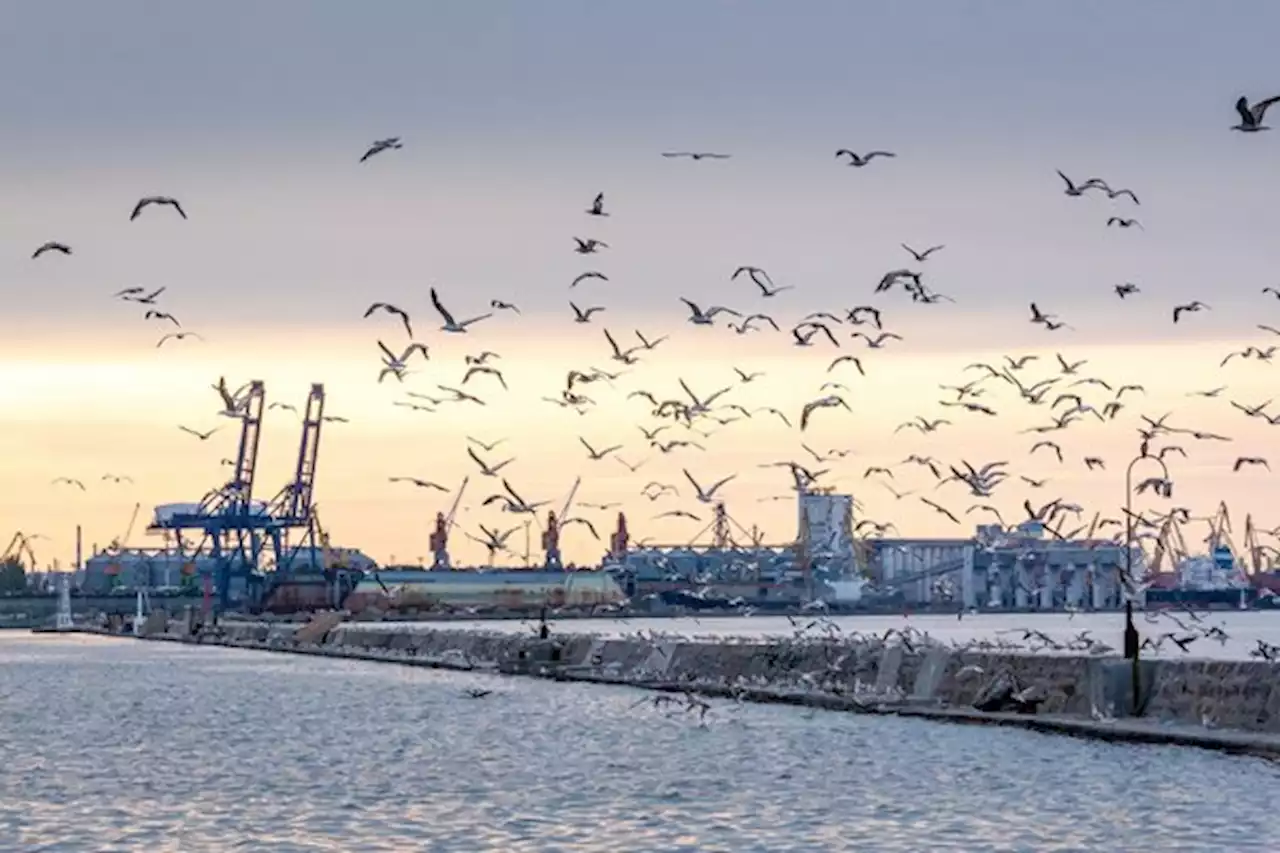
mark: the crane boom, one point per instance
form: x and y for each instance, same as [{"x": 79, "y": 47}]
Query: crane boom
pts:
[
  {"x": 453, "y": 510},
  {"x": 568, "y": 502}
]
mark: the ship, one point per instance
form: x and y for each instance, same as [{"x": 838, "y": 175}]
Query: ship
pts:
[{"x": 1214, "y": 581}]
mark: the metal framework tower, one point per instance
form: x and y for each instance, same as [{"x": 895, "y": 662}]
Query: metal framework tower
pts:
[
  {"x": 234, "y": 528},
  {"x": 721, "y": 536}
]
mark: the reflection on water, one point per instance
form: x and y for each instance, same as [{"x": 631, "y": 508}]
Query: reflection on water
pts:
[{"x": 121, "y": 745}]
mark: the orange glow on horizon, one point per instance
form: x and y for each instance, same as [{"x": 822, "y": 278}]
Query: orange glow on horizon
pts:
[{"x": 116, "y": 411}]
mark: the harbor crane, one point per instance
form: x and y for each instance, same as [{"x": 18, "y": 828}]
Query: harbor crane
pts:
[
  {"x": 555, "y": 525},
  {"x": 1259, "y": 554},
  {"x": 234, "y": 530},
  {"x": 440, "y": 561},
  {"x": 20, "y": 546}
]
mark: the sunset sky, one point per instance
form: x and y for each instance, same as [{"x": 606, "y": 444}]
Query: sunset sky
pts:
[{"x": 513, "y": 117}]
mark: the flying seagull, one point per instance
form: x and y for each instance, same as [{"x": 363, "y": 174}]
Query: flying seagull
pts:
[
  {"x": 1251, "y": 116},
  {"x": 162, "y": 315},
  {"x": 588, "y": 245},
  {"x": 1190, "y": 307},
  {"x": 422, "y": 484},
  {"x": 586, "y": 275},
  {"x": 861, "y": 160},
  {"x": 1073, "y": 190},
  {"x": 696, "y": 155},
  {"x": 203, "y": 436},
  {"x": 921, "y": 257},
  {"x": 450, "y": 324},
  {"x": 597, "y": 206},
  {"x": 698, "y": 317},
  {"x": 581, "y": 315},
  {"x": 391, "y": 309},
  {"x": 156, "y": 199},
  {"x": 177, "y": 336},
  {"x": 761, "y": 279},
  {"x": 391, "y": 142},
  {"x": 51, "y": 246}
]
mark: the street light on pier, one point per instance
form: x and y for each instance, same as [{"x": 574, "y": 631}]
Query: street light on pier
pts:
[{"x": 1132, "y": 642}]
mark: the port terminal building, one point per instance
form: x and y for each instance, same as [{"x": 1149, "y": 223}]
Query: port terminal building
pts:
[{"x": 1024, "y": 568}]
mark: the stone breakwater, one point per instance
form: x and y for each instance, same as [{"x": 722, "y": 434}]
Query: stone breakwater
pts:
[{"x": 1224, "y": 705}]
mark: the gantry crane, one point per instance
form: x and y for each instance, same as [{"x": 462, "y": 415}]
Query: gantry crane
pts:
[
  {"x": 1259, "y": 554},
  {"x": 235, "y": 529},
  {"x": 121, "y": 543},
  {"x": 19, "y": 546},
  {"x": 444, "y": 526}
]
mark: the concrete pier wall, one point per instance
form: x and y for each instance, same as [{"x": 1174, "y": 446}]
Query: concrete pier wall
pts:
[{"x": 1242, "y": 696}]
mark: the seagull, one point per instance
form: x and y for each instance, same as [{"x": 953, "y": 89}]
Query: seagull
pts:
[
  {"x": 852, "y": 359},
  {"x": 596, "y": 455},
  {"x": 878, "y": 342},
  {"x": 696, "y": 155},
  {"x": 161, "y": 315},
  {"x": 597, "y": 206},
  {"x": 451, "y": 325},
  {"x": 921, "y": 257},
  {"x": 1123, "y": 223},
  {"x": 488, "y": 371},
  {"x": 133, "y": 294},
  {"x": 805, "y": 339},
  {"x": 422, "y": 484},
  {"x": 1073, "y": 190},
  {"x": 203, "y": 436},
  {"x": 589, "y": 245},
  {"x": 117, "y": 478},
  {"x": 397, "y": 363},
  {"x": 677, "y": 513},
  {"x": 1251, "y": 116},
  {"x": 1250, "y": 460},
  {"x": 704, "y": 318},
  {"x": 862, "y": 160},
  {"x": 391, "y": 309},
  {"x": 706, "y": 496},
  {"x": 388, "y": 144},
  {"x": 70, "y": 481},
  {"x": 52, "y": 246},
  {"x": 586, "y": 275},
  {"x": 830, "y": 401},
  {"x": 499, "y": 305},
  {"x": 1126, "y": 289},
  {"x": 761, "y": 279},
  {"x": 1191, "y": 307},
  {"x": 584, "y": 316},
  {"x": 486, "y": 469},
  {"x": 1114, "y": 194},
  {"x": 177, "y": 336},
  {"x": 156, "y": 199}
]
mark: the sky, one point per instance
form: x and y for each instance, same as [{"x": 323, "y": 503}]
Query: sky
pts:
[{"x": 513, "y": 116}]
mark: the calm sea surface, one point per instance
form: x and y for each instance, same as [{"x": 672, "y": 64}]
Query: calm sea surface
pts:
[{"x": 113, "y": 745}]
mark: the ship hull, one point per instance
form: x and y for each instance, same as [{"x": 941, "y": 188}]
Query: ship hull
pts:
[
  {"x": 1200, "y": 599},
  {"x": 482, "y": 590}
]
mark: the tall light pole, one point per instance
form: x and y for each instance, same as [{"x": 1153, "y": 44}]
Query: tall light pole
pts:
[{"x": 1132, "y": 642}]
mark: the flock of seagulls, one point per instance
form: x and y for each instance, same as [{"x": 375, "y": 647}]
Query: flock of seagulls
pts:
[{"x": 680, "y": 421}]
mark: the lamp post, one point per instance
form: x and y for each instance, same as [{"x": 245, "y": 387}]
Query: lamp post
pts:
[{"x": 1132, "y": 642}]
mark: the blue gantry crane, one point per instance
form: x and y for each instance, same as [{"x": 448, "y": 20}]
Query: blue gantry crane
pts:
[{"x": 235, "y": 530}]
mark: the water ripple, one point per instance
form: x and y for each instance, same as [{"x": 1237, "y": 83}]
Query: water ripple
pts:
[{"x": 117, "y": 745}]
